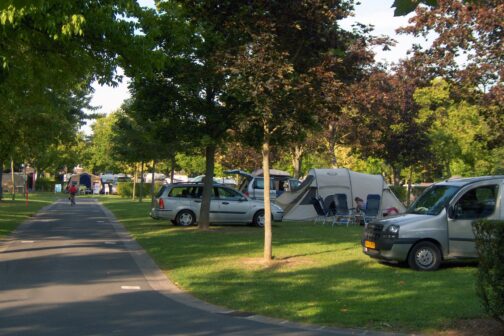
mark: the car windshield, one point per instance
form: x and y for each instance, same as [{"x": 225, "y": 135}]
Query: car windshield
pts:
[{"x": 433, "y": 200}]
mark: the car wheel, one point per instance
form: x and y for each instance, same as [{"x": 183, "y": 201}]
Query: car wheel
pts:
[
  {"x": 259, "y": 218},
  {"x": 424, "y": 256},
  {"x": 185, "y": 218}
]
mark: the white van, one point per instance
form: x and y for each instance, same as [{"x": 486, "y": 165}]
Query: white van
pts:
[
  {"x": 438, "y": 225},
  {"x": 252, "y": 185}
]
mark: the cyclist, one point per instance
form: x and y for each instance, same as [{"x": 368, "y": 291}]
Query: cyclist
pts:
[{"x": 72, "y": 190}]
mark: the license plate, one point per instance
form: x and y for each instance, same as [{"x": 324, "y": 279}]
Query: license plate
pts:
[{"x": 370, "y": 244}]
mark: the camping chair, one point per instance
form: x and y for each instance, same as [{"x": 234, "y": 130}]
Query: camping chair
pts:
[
  {"x": 342, "y": 214},
  {"x": 323, "y": 212},
  {"x": 372, "y": 208}
]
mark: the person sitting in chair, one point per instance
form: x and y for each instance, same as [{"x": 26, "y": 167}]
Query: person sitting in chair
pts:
[{"x": 359, "y": 210}]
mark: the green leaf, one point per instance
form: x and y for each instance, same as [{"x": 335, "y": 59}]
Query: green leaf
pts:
[{"x": 404, "y": 7}]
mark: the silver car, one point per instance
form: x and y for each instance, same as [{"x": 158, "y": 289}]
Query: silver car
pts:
[
  {"x": 438, "y": 225},
  {"x": 181, "y": 203}
]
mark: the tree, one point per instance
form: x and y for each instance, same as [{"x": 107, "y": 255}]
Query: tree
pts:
[
  {"x": 102, "y": 141},
  {"x": 50, "y": 52},
  {"x": 468, "y": 49},
  {"x": 383, "y": 116},
  {"x": 191, "y": 42},
  {"x": 459, "y": 134},
  {"x": 285, "y": 70}
]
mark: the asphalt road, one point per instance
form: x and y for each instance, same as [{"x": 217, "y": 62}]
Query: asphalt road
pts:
[{"x": 75, "y": 271}]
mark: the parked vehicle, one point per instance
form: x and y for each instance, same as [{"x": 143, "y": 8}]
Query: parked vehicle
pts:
[
  {"x": 252, "y": 185},
  {"x": 438, "y": 225},
  {"x": 181, "y": 203},
  {"x": 118, "y": 179}
]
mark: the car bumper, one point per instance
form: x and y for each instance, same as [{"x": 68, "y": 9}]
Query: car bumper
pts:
[
  {"x": 389, "y": 251},
  {"x": 161, "y": 213},
  {"x": 277, "y": 216}
]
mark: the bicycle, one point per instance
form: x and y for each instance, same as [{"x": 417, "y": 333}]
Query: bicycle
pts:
[{"x": 72, "y": 199}]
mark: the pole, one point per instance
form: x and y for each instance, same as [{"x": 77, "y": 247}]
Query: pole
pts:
[{"x": 26, "y": 185}]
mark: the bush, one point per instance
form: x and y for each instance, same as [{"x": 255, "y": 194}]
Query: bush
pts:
[
  {"x": 400, "y": 192},
  {"x": 125, "y": 189},
  {"x": 490, "y": 281},
  {"x": 44, "y": 184}
]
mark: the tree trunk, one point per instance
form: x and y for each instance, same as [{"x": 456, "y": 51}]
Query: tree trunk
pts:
[
  {"x": 13, "y": 179},
  {"x": 268, "y": 254},
  {"x": 448, "y": 169},
  {"x": 153, "y": 198},
  {"x": 135, "y": 177},
  {"x": 408, "y": 196},
  {"x": 140, "y": 194},
  {"x": 204, "y": 215},
  {"x": 34, "y": 180},
  {"x": 1, "y": 180},
  {"x": 172, "y": 171},
  {"x": 396, "y": 175},
  {"x": 297, "y": 161},
  {"x": 332, "y": 146}
]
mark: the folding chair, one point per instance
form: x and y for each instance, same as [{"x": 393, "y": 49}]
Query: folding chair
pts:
[
  {"x": 342, "y": 214},
  {"x": 372, "y": 208},
  {"x": 320, "y": 208}
]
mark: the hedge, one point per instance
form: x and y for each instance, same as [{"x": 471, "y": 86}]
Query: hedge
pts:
[
  {"x": 125, "y": 189},
  {"x": 490, "y": 277},
  {"x": 44, "y": 184}
]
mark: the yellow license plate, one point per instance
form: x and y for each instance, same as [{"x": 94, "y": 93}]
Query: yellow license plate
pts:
[{"x": 370, "y": 244}]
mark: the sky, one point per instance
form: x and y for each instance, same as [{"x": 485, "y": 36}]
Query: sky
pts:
[{"x": 378, "y": 13}]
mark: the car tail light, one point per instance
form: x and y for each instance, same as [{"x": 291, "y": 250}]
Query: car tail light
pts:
[{"x": 161, "y": 203}]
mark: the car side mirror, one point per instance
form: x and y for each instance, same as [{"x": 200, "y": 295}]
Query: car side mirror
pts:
[{"x": 242, "y": 199}]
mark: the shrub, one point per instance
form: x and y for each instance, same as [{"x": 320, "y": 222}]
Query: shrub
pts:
[
  {"x": 490, "y": 278},
  {"x": 44, "y": 184},
  {"x": 400, "y": 192},
  {"x": 125, "y": 189}
]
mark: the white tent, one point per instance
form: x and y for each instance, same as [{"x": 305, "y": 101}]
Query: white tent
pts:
[{"x": 298, "y": 204}]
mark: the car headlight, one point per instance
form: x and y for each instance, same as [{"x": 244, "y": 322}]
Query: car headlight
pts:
[
  {"x": 276, "y": 207},
  {"x": 394, "y": 229}
]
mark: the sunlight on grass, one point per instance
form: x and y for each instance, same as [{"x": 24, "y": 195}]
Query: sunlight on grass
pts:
[
  {"x": 319, "y": 274},
  {"x": 13, "y": 213}
]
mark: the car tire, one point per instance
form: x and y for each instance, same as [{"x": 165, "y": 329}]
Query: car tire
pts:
[
  {"x": 185, "y": 218},
  {"x": 424, "y": 256},
  {"x": 259, "y": 219}
]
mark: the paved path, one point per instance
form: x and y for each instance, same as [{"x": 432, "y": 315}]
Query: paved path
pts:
[{"x": 75, "y": 271}]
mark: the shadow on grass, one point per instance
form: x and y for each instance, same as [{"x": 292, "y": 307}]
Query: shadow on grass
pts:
[{"x": 339, "y": 286}]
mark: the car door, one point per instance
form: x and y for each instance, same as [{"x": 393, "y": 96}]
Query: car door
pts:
[
  {"x": 474, "y": 204},
  {"x": 196, "y": 195},
  {"x": 233, "y": 207},
  {"x": 258, "y": 189}
]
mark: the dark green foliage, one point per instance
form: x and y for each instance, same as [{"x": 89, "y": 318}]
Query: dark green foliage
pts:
[
  {"x": 400, "y": 192},
  {"x": 44, "y": 184},
  {"x": 490, "y": 280},
  {"x": 404, "y": 7},
  {"x": 125, "y": 189}
]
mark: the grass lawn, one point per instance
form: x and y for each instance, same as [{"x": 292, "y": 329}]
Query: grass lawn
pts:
[
  {"x": 319, "y": 275},
  {"x": 13, "y": 213}
]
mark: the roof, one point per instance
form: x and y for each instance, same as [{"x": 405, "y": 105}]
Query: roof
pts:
[{"x": 468, "y": 180}]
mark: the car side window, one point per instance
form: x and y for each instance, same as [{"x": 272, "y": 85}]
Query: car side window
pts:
[
  {"x": 179, "y": 192},
  {"x": 229, "y": 194},
  {"x": 477, "y": 203},
  {"x": 197, "y": 192}
]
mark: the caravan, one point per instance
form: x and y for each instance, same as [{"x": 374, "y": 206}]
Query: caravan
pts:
[{"x": 326, "y": 183}]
